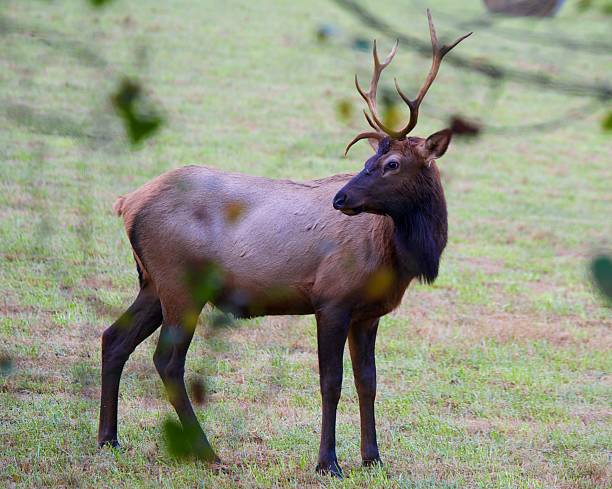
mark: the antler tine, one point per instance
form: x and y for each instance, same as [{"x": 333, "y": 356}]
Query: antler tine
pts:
[
  {"x": 370, "y": 96},
  {"x": 438, "y": 53},
  {"x": 432, "y": 32},
  {"x": 389, "y": 57},
  {"x": 364, "y": 135}
]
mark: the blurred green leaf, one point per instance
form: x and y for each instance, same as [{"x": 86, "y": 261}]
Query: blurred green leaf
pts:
[
  {"x": 233, "y": 210},
  {"x": 198, "y": 391},
  {"x": 392, "y": 116},
  {"x": 204, "y": 282},
  {"x": 141, "y": 120},
  {"x": 219, "y": 320},
  {"x": 604, "y": 6},
  {"x": 601, "y": 268},
  {"x": 464, "y": 127},
  {"x": 361, "y": 44},
  {"x": 344, "y": 110},
  {"x": 179, "y": 443},
  {"x": 186, "y": 442},
  {"x": 606, "y": 123},
  {"x": 391, "y": 112},
  {"x": 99, "y": 3},
  {"x": 6, "y": 364},
  {"x": 387, "y": 97},
  {"x": 325, "y": 31}
]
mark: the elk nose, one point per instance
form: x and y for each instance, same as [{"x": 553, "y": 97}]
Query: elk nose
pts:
[{"x": 339, "y": 200}]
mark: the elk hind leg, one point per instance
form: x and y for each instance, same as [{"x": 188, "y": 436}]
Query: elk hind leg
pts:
[
  {"x": 136, "y": 324},
  {"x": 175, "y": 337}
]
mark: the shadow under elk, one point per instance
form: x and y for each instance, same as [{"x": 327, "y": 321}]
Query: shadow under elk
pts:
[{"x": 287, "y": 251}]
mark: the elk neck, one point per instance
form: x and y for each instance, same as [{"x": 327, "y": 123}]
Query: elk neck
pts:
[{"x": 421, "y": 229}]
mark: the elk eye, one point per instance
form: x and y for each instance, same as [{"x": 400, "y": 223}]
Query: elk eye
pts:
[{"x": 392, "y": 165}]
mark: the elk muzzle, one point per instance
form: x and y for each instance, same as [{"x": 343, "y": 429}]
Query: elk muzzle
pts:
[
  {"x": 342, "y": 203},
  {"x": 350, "y": 199}
]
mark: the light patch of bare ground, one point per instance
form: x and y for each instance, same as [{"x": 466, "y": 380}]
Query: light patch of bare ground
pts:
[
  {"x": 439, "y": 315},
  {"x": 588, "y": 415},
  {"x": 481, "y": 323},
  {"x": 506, "y": 327},
  {"x": 95, "y": 282},
  {"x": 291, "y": 332},
  {"x": 530, "y": 450},
  {"x": 483, "y": 264},
  {"x": 13, "y": 309}
]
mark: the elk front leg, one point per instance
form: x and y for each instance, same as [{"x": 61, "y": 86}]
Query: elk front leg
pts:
[
  {"x": 135, "y": 325},
  {"x": 362, "y": 338},
  {"x": 169, "y": 358},
  {"x": 332, "y": 329}
]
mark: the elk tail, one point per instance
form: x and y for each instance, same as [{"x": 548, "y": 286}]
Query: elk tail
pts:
[{"x": 118, "y": 205}]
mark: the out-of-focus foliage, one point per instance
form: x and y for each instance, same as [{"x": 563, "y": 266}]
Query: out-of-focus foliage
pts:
[
  {"x": 99, "y": 3},
  {"x": 185, "y": 442},
  {"x": 361, "y": 44},
  {"x": 178, "y": 440},
  {"x": 140, "y": 118},
  {"x": 205, "y": 282},
  {"x": 463, "y": 127},
  {"x": 233, "y": 211},
  {"x": 325, "y": 32},
  {"x": 392, "y": 116},
  {"x": 524, "y": 8},
  {"x": 6, "y": 364},
  {"x": 604, "y": 6},
  {"x": 218, "y": 319},
  {"x": 606, "y": 123},
  {"x": 601, "y": 268},
  {"x": 344, "y": 110},
  {"x": 198, "y": 391},
  {"x": 379, "y": 284}
]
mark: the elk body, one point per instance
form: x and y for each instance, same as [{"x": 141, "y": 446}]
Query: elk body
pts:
[{"x": 282, "y": 247}]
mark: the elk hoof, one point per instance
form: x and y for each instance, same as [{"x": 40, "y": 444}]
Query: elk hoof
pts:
[
  {"x": 219, "y": 467},
  {"x": 109, "y": 444},
  {"x": 203, "y": 451},
  {"x": 329, "y": 468},
  {"x": 374, "y": 462}
]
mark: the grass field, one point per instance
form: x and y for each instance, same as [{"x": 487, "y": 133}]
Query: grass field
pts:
[{"x": 498, "y": 375}]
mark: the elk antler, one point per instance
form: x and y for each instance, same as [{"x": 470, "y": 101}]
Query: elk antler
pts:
[
  {"x": 370, "y": 97},
  {"x": 438, "y": 54}
]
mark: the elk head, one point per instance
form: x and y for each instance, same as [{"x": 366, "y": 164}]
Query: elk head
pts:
[{"x": 401, "y": 170}]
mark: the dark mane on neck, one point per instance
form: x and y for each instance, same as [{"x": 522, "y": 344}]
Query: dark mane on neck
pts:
[{"x": 421, "y": 229}]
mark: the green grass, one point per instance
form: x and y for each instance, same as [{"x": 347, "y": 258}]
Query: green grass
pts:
[{"x": 499, "y": 375}]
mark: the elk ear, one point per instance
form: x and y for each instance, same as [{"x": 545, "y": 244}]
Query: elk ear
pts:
[
  {"x": 437, "y": 144},
  {"x": 374, "y": 143}
]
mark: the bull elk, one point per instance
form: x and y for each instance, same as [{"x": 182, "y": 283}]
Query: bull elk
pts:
[{"x": 288, "y": 252}]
